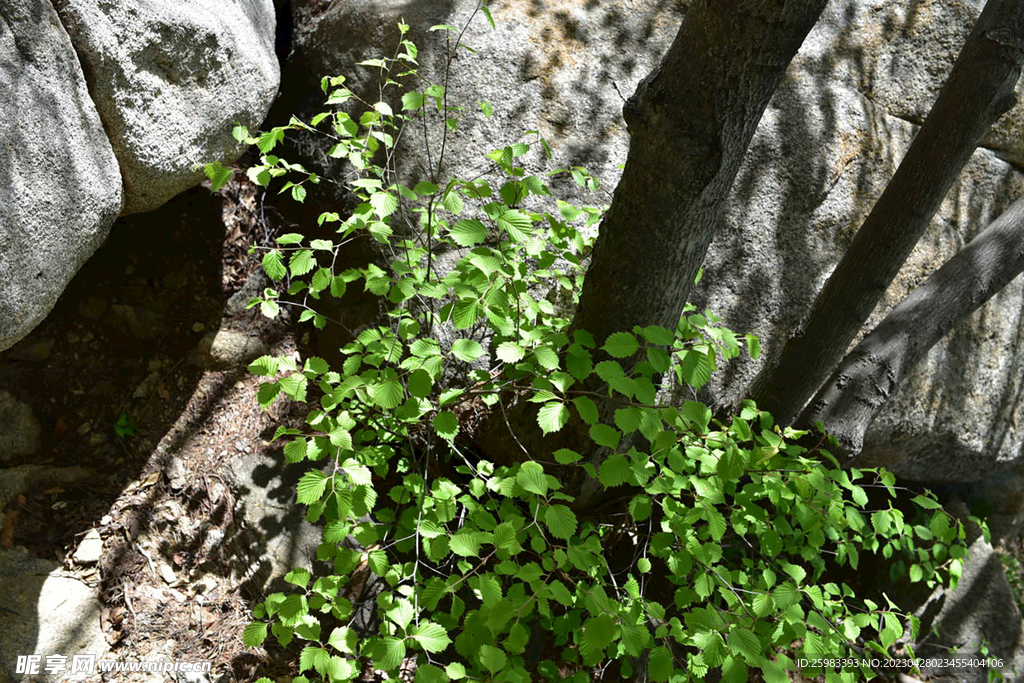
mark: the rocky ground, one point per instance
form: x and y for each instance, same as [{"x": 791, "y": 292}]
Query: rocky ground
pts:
[{"x": 133, "y": 437}]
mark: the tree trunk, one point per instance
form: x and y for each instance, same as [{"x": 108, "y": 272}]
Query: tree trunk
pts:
[
  {"x": 690, "y": 121},
  {"x": 979, "y": 90},
  {"x": 871, "y": 373}
]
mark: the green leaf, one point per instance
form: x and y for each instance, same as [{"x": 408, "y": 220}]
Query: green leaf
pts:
[
  {"x": 467, "y": 350},
  {"x": 431, "y": 637},
  {"x": 389, "y": 653},
  {"x": 926, "y": 503},
  {"x": 464, "y": 314},
  {"x": 311, "y": 487},
  {"x": 516, "y": 224},
  {"x": 218, "y": 175},
  {"x": 455, "y": 671},
  {"x": 446, "y": 424},
  {"x": 468, "y": 233},
  {"x": 510, "y": 352},
  {"x": 614, "y": 470},
  {"x": 411, "y": 101},
  {"x": 492, "y": 658},
  {"x": 744, "y": 642},
  {"x": 561, "y": 521},
  {"x": 564, "y": 456},
  {"x": 465, "y": 544},
  {"x": 586, "y": 408},
  {"x": 621, "y": 345},
  {"x": 605, "y": 435},
  {"x": 660, "y": 664},
  {"x": 387, "y": 395},
  {"x": 298, "y": 577},
  {"x": 753, "y": 346},
  {"x": 695, "y": 368},
  {"x": 343, "y": 639},
  {"x": 599, "y": 631},
  {"x": 628, "y": 419},
  {"x": 552, "y": 416},
  {"x": 273, "y": 265},
  {"x": 420, "y": 383},
  {"x": 384, "y": 204},
  {"x": 532, "y": 478},
  {"x": 254, "y": 634}
]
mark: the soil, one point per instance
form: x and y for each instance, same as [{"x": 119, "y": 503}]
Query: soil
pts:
[{"x": 114, "y": 377}]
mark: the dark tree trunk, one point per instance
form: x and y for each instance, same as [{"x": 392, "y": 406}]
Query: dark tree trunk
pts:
[
  {"x": 871, "y": 373},
  {"x": 979, "y": 90},
  {"x": 690, "y": 121}
]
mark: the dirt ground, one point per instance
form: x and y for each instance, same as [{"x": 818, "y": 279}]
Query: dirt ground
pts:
[{"x": 115, "y": 379}]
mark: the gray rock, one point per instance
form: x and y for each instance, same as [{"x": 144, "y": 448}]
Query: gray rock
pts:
[
  {"x": 252, "y": 288},
  {"x": 170, "y": 79},
  {"x": 19, "y": 428},
  {"x": 822, "y": 155},
  {"x": 45, "y": 613},
  {"x": 90, "y": 548},
  {"x": 60, "y": 188},
  {"x": 979, "y": 619},
  {"x": 227, "y": 349},
  {"x": 554, "y": 68},
  {"x": 898, "y": 54}
]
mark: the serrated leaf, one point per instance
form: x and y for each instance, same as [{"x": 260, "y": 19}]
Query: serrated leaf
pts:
[
  {"x": 467, "y": 233},
  {"x": 311, "y": 487},
  {"x": 464, "y": 314},
  {"x": 532, "y": 478},
  {"x": 387, "y": 395},
  {"x": 561, "y": 521},
  {"x": 411, "y": 101},
  {"x": 510, "y": 352},
  {"x": 605, "y": 435},
  {"x": 614, "y": 470},
  {"x": 586, "y": 408},
  {"x": 455, "y": 671},
  {"x": 431, "y": 637},
  {"x": 446, "y": 424},
  {"x": 389, "y": 653},
  {"x": 621, "y": 345},
  {"x": 695, "y": 368},
  {"x": 218, "y": 175},
  {"x": 552, "y": 416},
  {"x": 273, "y": 265},
  {"x": 628, "y": 419},
  {"x": 599, "y": 631},
  {"x": 744, "y": 642},
  {"x": 254, "y": 634},
  {"x": 492, "y": 658},
  {"x": 465, "y": 544},
  {"x": 467, "y": 350},
  {"x": 384, "y": 204}
]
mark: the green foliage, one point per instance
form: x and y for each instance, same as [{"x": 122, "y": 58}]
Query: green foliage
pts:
[
  {"x": 125, "y": 426},
  {"x": 739, "y": 535}
]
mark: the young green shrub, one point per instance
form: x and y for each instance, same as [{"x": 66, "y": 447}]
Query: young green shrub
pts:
[{"x": 731, "y": 530}]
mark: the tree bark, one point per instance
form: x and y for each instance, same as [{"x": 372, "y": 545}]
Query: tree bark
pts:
[
  {"x": 979, "y": 90},
  {"x": 871, "y": 373},
  {"x": 690, "y": 121}
]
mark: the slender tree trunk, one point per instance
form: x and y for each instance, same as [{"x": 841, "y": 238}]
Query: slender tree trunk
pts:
[
  {"x": 690, "y": 121},
  {"x": 979, "y": 90},
  {"x": 871, "y": 373}
]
